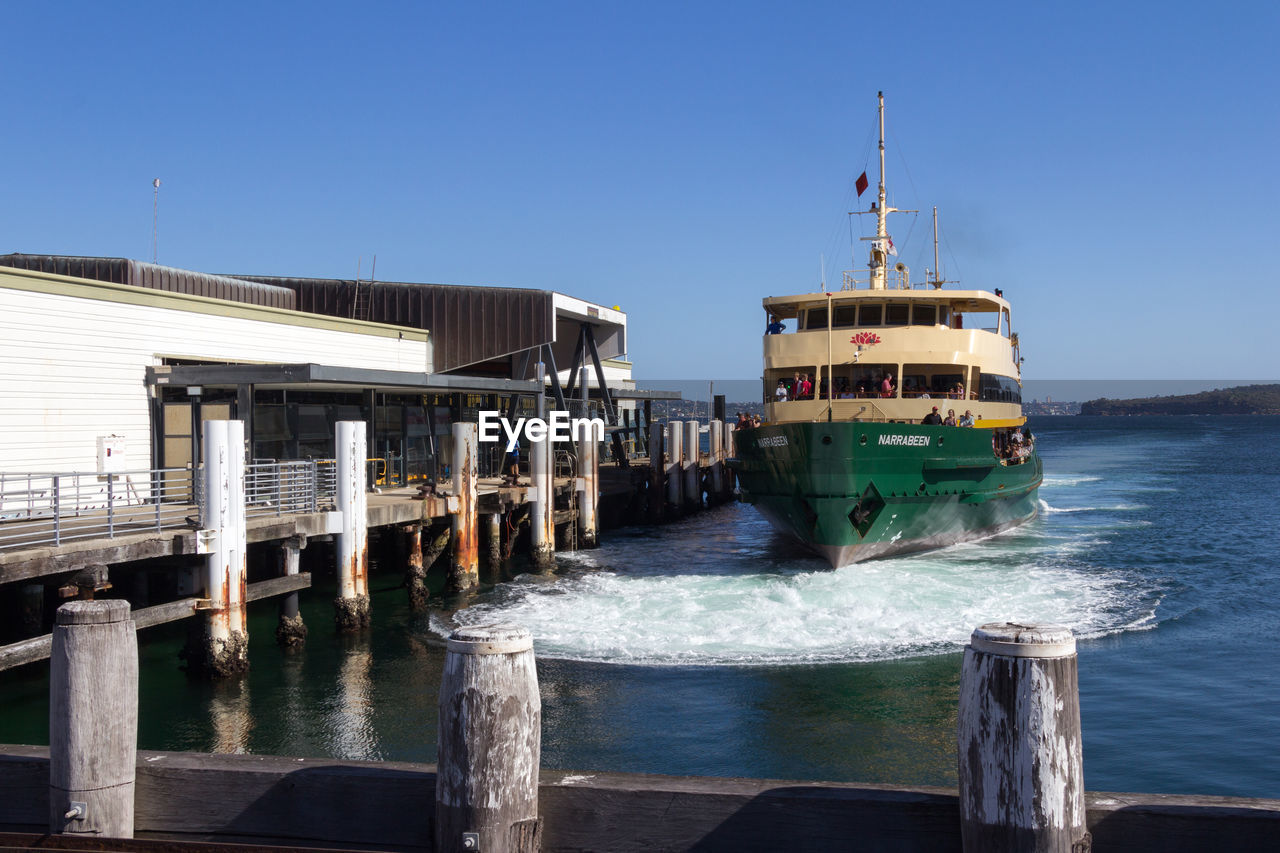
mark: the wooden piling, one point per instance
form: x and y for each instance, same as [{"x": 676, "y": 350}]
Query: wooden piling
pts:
[
  {"x": 1021, "y": 771},
  {"x": 489, "y": 743},
  {"x": 675, "y": 466},
  {"x": 93, "y": 719},
  {"x": 351, "y": 608},
  {"x": 692, "y": 467},
  {"x": 715, "y": 434},
  {"x": 291, "y": 631},
  {"x": 464, "y": 570},
  {"x": 421, "y": 559}
]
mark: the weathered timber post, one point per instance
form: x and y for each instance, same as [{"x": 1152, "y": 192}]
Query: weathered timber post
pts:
[
  {"x": 225, "y": 646},
  {"x": 675, "y": 466},
  {"x": 589, "y": 486},
  {"x": 716, "y": 437},
  {"x": 489, "y": 743},
  {"x": 465, "y": 569},
  {"x": 93, "y": 719},
  {"x": 351, "y": 608},
  {"x": 420, "y": 560},
  {"x": 656, "y": 471},
  {"x": 291, "y": 631},
  {"x": 493, "y": 530},
  {"x": 692, "y": 470},
  {"x": 1021, "y": 772}
]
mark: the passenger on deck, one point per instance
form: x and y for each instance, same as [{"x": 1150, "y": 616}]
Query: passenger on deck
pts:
[
  {"x": 933, "y": 418},
  {"x": 743, "y": 420},
  {"x": 780, "y": 393},
  {"x": 775, "y": 327},
  {"x": 966, "y": 420},
  {"x": 805, "y": 388},
  {"x": 886, "y": 386},
  {"x": 950, "y": 419}
]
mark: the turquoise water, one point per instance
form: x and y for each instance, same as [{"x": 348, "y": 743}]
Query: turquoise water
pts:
[{"x": 711, "y": 646}]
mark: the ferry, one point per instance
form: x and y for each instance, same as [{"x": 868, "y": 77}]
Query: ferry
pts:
[{"x": 857, "y": 457}]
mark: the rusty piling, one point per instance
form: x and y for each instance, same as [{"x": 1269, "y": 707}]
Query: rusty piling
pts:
[
  {"x": 351, "y": 608},
  {"x": 465, "y": 569}
]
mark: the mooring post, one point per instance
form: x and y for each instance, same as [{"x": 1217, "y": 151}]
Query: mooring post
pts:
[
  {"x": 1021, "y": 770},
  {"x": 675, "y": 466},
  {"x": 493, "y": 529},
  {"x": 489, "y": 743},
  {"x": 351, "y": 608},
  {"x": 692, "y": 467},
  {"x": 716, "y": 438},
  {"x": 465, "y": 569},
  {"x": 291, "y": 631},
  {"x": 656, "y": 471},
  {"x": 588, "y": 485},
  {"x": 93, "y": 719},
  {"x": 222, "y": 519}
]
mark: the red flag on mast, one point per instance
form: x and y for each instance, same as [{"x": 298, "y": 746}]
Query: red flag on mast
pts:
[{"x": 861, "y": 184}]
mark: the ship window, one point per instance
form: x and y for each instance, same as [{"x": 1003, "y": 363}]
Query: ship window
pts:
[
  {"x": 862, "y": 381},
  {"x": 845, "y": 316},
  {"x": 816, "y": 318},
  {"x": 870, "y": 315},
  {"x": 944, "y": 315},
  {"x": 999, "y": 389},
  {"x": 937, "y": 380},
  {"x": 924, "y": 315},
  {"x": 897, "y": 315}
]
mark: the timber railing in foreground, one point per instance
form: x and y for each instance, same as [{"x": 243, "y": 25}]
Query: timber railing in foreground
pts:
[{"x": 1018, "y": 789}]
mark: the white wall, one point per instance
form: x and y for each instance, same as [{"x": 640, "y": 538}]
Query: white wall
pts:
[{"x": 73, "y": 359}]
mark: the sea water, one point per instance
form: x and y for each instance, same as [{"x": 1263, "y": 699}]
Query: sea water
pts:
[{"x": 715, "y": 646}]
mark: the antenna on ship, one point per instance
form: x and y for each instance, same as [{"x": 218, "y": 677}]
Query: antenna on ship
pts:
[{"x": 938, "y": 281}]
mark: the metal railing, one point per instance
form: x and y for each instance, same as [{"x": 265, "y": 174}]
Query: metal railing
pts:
[
  {"x": 38, "y": 509},
  {"x": 49, "y": 509}
]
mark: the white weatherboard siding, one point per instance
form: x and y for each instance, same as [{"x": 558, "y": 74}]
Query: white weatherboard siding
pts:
[{"x": 74, "y": 368}]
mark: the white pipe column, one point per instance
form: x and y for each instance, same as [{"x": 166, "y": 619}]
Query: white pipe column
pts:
[
  {"x": 589, "y": 489},
  {"x": 716, "y": 436},
  {"x": 656, "y": 472},
  {"x": 351, "y": 608},
  {"x": 465, "y": 572},
  {"x": 692, "y": 474},
  {"x": 542, "y": 505},
  {"x": 675, "y": 465},
  {"x": 730, "y": 452},
  {"x": 222, "y": 520}
]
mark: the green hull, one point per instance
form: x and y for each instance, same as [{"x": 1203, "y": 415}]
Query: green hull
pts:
[{"x": 855, "y": 491}]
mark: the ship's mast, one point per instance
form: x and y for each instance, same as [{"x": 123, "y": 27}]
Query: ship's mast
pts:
[{"x": 880, "y": 247}]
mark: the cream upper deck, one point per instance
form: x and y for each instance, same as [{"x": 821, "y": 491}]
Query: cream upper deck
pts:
[{"x": 949, "y": 348}]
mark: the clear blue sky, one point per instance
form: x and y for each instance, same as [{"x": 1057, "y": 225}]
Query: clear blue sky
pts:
[{"x": 1112, "y": 166}]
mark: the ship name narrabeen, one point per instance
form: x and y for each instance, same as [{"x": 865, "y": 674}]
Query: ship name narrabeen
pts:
[
  {"x": 772, "y": 441},
  {"x": 906, "y": 440}
]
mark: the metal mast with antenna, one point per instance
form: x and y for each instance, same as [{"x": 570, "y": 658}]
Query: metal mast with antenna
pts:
[{"x": 155, "y": 220}]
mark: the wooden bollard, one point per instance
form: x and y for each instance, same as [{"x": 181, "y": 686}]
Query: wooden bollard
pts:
[
  {"x": 489, "y": 743},
  {"x": 93, "y": 719},
  {"x": 1021, "y": 771}
]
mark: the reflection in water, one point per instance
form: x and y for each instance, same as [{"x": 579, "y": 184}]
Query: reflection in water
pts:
[
  {"x": 230, "y": 716},
  {"x": 348, "y": 721}
]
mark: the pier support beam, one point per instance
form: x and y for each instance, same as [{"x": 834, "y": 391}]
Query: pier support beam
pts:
[
  {"x": 692, "y": 469},
  {"x": 421, "y": 558},
  {"x": 716, "y": 461},
  {"x": 588, "y": 485},
  {"x": 489, "y": 743},
  {"x": 465, "y": 569},
  {"x": 32, "y": 609},
  {"x": 675, "y": 466},
  {"x": 493, "y": 531},
  {"x": 93, "y": 720},
  {"x": 291, "y": 631},
  {"x": 225, "y": 644},
  {"x": 542, "y": 506},
  {"x": 657, "y": 471},
  {"x": 1021, "y": 771},
  {"x": 351, "y": 608},
  {"x": 730, "y": 451}
]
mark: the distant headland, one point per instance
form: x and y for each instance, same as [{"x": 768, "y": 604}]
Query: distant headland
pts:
[{"x": 1242, "y": 400}]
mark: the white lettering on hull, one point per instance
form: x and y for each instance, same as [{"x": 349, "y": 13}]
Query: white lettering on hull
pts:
[{"x": 906, "y": 440}]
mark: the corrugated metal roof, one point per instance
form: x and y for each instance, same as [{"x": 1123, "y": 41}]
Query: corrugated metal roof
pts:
[
  {"x": 468, "y": 325},
  {"x": 156, "y": 277}
]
